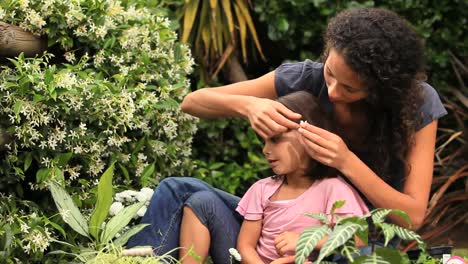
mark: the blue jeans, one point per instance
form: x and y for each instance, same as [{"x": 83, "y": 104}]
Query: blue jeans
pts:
[{"x": 213, "y": 207}]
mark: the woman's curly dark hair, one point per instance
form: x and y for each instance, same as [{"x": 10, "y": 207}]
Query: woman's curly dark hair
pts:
[{"x": 388, "y": 56}]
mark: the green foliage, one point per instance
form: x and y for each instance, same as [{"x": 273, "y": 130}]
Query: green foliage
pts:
[
  {"x": 24, "y": 229},
  {"x": 342, "y": 232},
  {"x": 107, "y": 89},
  {"x": 100, "y": 236},
  {"x": 298, "y": 25}
]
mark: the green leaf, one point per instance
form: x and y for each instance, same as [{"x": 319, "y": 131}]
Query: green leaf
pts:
[
  {"x": 387, "y": 230},
  {"x": 338, "y": 204},
  {"x": 363, "y": 231},
  {"x": 380, "y": 214},
  {"x": 8, "y": 237},
  {"x": 308, "y": 239},
  {"x": 372, "y": 259},
  {"x": 68, "y": 210},
  {"x": 407, "y": 234},
  {"x": 119, "y": 221},
  {"x": 42, "y": 175},
  {"x": 17, "y": 106},
  {"x": 56, "y": 226},
  {"x": 146, "y": 174},
  {"x": 62, "y": 159},
  {"x": 122, "y": 240},
  {"x": 104, "y": 201},
  {"x": 322, "y": 217},
  {"x": 138, "y": 145},
  {"x": 340, "y": 235},
  {"x": 389, "y": 254},
  {"x": 27, "y": 161},
  {"x": 124, "y": 171}
]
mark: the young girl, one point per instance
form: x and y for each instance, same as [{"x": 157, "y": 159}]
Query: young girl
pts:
[{"x": 273, "y": 208}]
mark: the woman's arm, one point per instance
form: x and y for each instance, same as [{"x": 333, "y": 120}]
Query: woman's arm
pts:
[
  {"x": 247, "y": 241},
  {"x": 330, "y": 149},
  {"x": 414, "y": 198},
  {"x": 249, "y": 99}
]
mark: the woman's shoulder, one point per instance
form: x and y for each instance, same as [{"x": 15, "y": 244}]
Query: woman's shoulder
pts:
[
  {"x": 431, "y": 107},
  {"x": 296, "y": 76}
]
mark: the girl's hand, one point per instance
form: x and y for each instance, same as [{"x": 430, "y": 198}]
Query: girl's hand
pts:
[
  {"x": 269, "y": 118},
  {"x": 324, "y": 146},
  {"x": 286, "y": 242}
]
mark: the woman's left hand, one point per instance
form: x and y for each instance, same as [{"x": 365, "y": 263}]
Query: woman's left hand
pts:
[{"x": 324, "y": 146}]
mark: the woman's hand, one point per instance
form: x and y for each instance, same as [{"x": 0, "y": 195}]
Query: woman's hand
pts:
[
  {"x": 286, "y": 242},
  {"x": 269, "y": 118},
  {"x": 324, "y": 146}
]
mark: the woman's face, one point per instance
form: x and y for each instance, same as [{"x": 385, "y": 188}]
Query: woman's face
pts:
[
  {"x": 344, "y": 86},
  {"x": 286, "y": 154}
]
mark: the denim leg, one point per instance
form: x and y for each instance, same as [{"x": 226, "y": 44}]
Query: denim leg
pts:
[
  {"x": 220, "y": 221},
  {"x": 164, "y": 213}
]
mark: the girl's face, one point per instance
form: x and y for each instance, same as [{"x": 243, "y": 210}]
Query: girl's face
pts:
[
  {"x": 344, "y": 86},
  {"x": 286, "y": 154}
]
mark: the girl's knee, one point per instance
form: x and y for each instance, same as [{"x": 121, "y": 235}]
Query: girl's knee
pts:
[{"x": 202, "y": 200}]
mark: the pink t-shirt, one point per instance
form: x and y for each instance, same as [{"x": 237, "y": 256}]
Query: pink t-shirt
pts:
[{"x": 280, "y": 216}]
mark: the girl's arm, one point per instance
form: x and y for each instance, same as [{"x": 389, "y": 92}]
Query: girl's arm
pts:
[
  {"x": 247, "y": 241},
  {"x": 249, "y": 99},
  {"x": 330, "y": 149}
]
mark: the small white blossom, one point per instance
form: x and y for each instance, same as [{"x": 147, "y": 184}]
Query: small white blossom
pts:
[
  {"x": 142, "y": 211},
  {"x": 233, "y": 252},
  {"x": 115, "y": 208}
]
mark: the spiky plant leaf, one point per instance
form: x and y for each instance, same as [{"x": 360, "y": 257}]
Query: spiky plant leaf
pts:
[
  {"x": 308, "y": 239},
  {"x": 321, "y": 217},
  {"x": 68, "y": 210},
  {"x": 388, "y": 231},
  {"x": 371, "y": 259},
  {"x": 379, "y": 215},
  {"x": 336, "y": 205},
  {"x": 350, "y": 250},
  {"x": 337, "y": 238},
  {"x": 122, "y": 240},
  {"x": 104, "y": 201},
  {"x": 119, "y": 221},
  {"x": 407, "y": 234}
]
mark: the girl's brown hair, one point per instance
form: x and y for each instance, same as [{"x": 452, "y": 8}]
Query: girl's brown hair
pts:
[{"x": 308, "y": 106}]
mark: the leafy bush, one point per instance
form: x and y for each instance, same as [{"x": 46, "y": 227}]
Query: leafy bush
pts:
[
  {"x": 114, "y": 98},
  {"x": 341, "y": 233},
  {"x": 106, "y": 90},
  {"x": 298, "y": 25}
]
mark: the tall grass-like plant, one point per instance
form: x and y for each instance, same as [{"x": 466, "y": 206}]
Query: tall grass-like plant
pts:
[
  {"x": 341, "y": 232},
  {"x": 99, "y": 232}
]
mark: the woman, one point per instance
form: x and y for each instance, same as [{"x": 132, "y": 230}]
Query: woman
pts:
[{"x": 386, "y": 117}]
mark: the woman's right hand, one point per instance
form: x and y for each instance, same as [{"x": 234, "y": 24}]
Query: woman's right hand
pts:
[{"x": 270, "y": 118}]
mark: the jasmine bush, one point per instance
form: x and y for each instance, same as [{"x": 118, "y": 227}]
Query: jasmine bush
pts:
[
  {"x": 106, "y": 90},
  {"x": 115, "y": 96}
]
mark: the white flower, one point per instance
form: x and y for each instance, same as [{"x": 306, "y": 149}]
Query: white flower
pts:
[
  {"x": 142, "y": 211},
  {"x": 116, "y": 208},
  {"x": 2, "y": 13},
  {"x": 35, "y": 19},
  {"x": 233, "y": 252},
  {"x": 148, "y": 192},
  {"x": 24, "y": 228}
]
